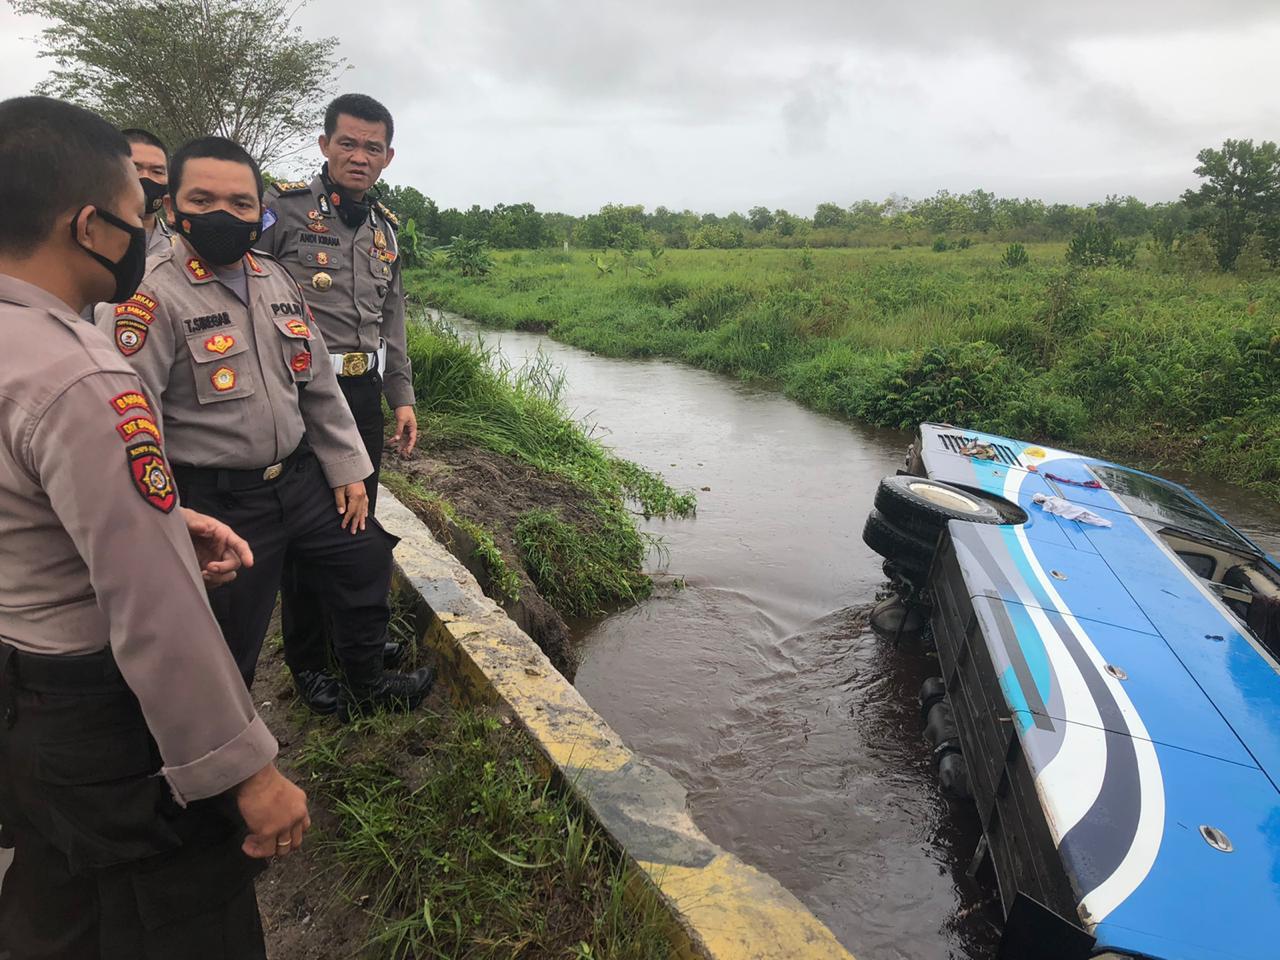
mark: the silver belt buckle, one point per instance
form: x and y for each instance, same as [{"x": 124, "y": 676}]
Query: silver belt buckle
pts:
[{"x": 273, "y": 471}]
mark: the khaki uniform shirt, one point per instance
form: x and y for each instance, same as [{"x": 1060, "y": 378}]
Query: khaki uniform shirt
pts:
[
  {"x": 93, "y": 552},
  {"x": 237, "y": 386},
  {"x": 160, "y": 239},
  {"x": 351, "y": 276}
]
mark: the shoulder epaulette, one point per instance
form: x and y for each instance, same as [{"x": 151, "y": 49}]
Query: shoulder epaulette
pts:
[
  {"x": 386, "y": 212},
  {"x": 283, "y": 188}
]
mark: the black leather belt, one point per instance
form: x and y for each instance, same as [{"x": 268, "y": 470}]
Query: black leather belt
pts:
[
  {"x": 77, "y": 673},
  {"x": 226, "y": 478}
]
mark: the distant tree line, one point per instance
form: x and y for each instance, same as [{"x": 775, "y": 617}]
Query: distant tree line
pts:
[{"x": 1235, "y": 212}]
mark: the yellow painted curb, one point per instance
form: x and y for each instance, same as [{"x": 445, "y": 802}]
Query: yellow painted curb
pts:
[{"x": 722, "y": 908}]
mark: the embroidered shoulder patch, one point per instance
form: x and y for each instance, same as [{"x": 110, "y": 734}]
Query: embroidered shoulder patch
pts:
[
  {"x": 151, "y": 476},
  {"x": 133, "y": 427},
  {"x": 129, "y": 400}
]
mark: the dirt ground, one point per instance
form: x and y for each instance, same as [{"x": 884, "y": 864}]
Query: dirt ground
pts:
[{"x": 494, "y": 492}]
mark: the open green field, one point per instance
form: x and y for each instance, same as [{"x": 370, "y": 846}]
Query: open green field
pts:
[{"x": 1155, "y": 364}]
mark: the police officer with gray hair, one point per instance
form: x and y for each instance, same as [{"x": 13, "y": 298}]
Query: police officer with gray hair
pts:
[
  {"x": 136, "y": 779},
  {"x": 339, "y": 244}
]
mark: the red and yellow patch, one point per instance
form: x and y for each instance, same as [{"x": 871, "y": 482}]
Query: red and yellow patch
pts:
[
  {"x": 131, "y": 334},
  {"x": 197, "y": 269},
  {"x": 134, "y": 426},
  {"x": 129, "y": 400},
  {"x": 301, "y": 361},
  {"x": 220, "y": 343},
  {"x": 298, "y": 329},
  {"x": 135, "y": 310},
  {"x": 151, "y": 475},
  {"x": 224, "y": 379}
]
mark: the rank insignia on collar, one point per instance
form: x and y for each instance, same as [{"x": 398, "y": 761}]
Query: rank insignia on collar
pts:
[
  {"x": 255, "y": 265},
  {"x": 323, "y": 203},
  {"x": 316, "y": 227},
  {"x": 322, "y": 281},
  {"x": 336, "y": 198},
  {"x": 301, "y": 361},
  {"x": 151, "y": 475},
  {"x": 220, "y": 343},
  {"x": 224, "y": 379},
  {"x": 197, "y": 269}
]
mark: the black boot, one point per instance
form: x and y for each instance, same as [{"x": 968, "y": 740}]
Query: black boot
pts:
[
  {"x": 390, "y": 693},
  {"x": 392, "y": 655},
  {"x": 318, "y": 690}
]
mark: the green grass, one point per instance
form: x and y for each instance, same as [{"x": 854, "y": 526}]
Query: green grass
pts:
[
  {"x": 1151, "y": 364},
  {"x": 456, "y": 847},
  {"x": 467, "y": 394}
]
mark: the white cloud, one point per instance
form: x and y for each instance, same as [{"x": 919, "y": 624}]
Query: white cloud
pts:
[{"x": 722, "y": 105}]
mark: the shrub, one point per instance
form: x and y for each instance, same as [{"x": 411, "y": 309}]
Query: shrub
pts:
[
  {"x": 1098, "y": 246},
  {"x": 940, "y": 245},
  {"x": 1015, "y": 255}
]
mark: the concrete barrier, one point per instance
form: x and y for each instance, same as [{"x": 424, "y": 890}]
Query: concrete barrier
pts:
[{"x": 721, "y": 908}]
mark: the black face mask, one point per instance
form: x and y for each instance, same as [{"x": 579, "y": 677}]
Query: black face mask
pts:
[
  {"x": 220, "y": 237},
  {"x": 128, "y": 270},
  {"x": 351, "y": 211},
  {"x": 155, "y": 192}
]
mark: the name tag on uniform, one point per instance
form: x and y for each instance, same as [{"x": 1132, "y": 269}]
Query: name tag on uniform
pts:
[{"x": 306, "y": 238}]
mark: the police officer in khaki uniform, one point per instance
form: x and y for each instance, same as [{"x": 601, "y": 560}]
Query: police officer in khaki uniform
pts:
[
  {"x": 257, "y": 429},
  {"x": 151, "y": 159},
  {"x": 340, "y": 245},
  {"x": 131, "y": 757}
]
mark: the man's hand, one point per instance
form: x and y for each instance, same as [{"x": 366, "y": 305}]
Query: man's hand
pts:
[
  {"x": 275, "y": 812},
  {"x": 406, "y": 435},
  {"x": 353, "y": 504},
  {"x": 219, "y": 549}
]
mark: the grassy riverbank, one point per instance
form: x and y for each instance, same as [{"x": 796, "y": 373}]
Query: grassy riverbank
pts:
[
  {"x": 543, "y": 514},
  {"x": 1160, "y": 364},
  {"x": 436, "y": 837}
]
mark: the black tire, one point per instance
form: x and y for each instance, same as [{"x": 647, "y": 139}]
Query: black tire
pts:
[
  {"x": 903, "y": 504},
  {"x": 906, "y": 549}
]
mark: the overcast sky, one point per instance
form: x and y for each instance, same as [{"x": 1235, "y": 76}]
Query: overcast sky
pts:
[{"x": 726, "y": 104}]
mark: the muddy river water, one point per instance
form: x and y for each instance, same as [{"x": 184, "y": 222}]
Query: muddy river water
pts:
[{"x": 758, "y": 684}]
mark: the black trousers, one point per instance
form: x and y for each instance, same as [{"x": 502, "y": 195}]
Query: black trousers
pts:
[
  {"x": 106, "y": 865},
  {"x": 302, "y": 609},
  {"x": 292, "y": 523}
]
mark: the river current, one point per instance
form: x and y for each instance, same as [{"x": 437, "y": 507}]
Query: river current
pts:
[{"x": 751, "y": 675}]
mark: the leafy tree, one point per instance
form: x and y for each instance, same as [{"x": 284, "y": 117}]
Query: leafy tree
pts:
[
  {"x": 1240, "y": 198},
  {"x": 761, "y": 218},
  {"x": 190, "y": 68},
  {"x": 829, "y": 215}
]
